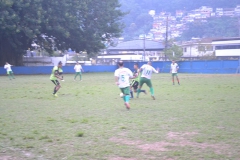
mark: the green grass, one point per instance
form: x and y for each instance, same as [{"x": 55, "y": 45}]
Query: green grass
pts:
[{"x": 200, "y": 119}]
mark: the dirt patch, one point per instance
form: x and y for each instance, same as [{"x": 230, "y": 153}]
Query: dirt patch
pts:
[
  {"x": 181, "y": 139},
  {"x": 9, "y": 158},
  {"x": 121, "y": 158}
]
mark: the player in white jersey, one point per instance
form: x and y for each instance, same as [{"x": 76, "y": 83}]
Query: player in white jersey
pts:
[
  {"x": 122, "y": 76},
  {"x": 174, "y": 71},
  {"x": 147, "y": 71},
  {"x": 10, "y": 74},
  {"x": 78, "y": 68}
]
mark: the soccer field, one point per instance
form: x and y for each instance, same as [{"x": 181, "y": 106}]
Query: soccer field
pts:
[{"x": 200, "y": 119}]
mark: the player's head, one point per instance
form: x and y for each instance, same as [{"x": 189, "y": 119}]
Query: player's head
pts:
[
  {"x": 120, "y": 63},
  {"x": 173, "y": 61},
  {"x": 135, "y": 66},
  {"x": 59, "y": 64},
  {"x": 77, "y": 62},
  {"x": 6, "y": 62},
  {"x": 149, "y": 63}
]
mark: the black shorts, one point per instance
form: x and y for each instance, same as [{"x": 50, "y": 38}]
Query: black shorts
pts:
[
  {"x": 55, "y": 82},
  {"x": 134, "y": 84}
]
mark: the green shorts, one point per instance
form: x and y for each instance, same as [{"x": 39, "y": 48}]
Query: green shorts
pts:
[
  {"x": 174, "y": 74},
  {"x": 145, "y": 80},
  {"x": 9, "y": 72},
  {"x": 125, "y": 90}
]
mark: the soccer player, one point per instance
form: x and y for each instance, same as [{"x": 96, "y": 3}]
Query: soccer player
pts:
[
  {"x": 78, "y": 68},
  {"x": 174, "y": 71},
  {"x": 135, "y": 81},
  {"x": 122, "y": 76},
  {"x": 147, "y": 70},
  {"x": 54, "y": 76},
  {"x": 8, "y": 68}
]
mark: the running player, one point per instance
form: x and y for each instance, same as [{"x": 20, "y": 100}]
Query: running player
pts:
[
  {"x": 174, "y": 71},
  {"x": 135, "y": 81},
  {"x": 8, "y": 68},
  {"x": 78, "y": 68},
  {"x": 147, "y": 70},
  {"x": 122, "y": 76},
  {"x": 54, "y": 76}
]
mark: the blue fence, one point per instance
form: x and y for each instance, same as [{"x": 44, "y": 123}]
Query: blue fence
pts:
[{"x": 218, "y": 67}]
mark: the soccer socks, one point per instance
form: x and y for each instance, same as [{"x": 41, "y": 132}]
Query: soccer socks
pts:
[
  {"x": 178, "y": 81},
  {"x": 152, "y": 91},
  {"x": 131, "y": 92},
  {"x": 138, "y": 91},
  {"x": 80, "y": 76},
  {"x": 55, "y": 90},
  {"x": 127, "y": 98}
]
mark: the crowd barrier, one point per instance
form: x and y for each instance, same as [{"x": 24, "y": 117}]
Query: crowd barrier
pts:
[{"x": 211, "y": 67}]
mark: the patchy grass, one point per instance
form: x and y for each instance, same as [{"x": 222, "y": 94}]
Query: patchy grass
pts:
[{"x": 197, "y": 120}]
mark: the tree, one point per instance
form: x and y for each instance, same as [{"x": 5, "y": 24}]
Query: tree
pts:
[
  {"x": 175, "y": 52},
  {"x": 82, "y": 25}
]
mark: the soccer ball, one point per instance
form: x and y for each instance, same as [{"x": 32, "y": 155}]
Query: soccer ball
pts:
[{"x": 121, "y": 95}]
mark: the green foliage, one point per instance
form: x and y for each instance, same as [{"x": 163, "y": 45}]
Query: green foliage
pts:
[
  {"x": 174, "y": 52},
  {"x": 81, "y": 25}
]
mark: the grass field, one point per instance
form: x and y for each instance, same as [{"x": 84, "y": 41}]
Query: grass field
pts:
[{"x": 200, "y": 119}]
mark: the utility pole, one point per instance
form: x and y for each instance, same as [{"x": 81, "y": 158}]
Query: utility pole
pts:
[
  {"x": 239, "y": 26},
  {"x": 166, "y": 38},
  {"x": 144, "y": 47}
]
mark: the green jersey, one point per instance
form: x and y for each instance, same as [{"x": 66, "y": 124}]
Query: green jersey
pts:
[
  {"x": 54, "y": 70},
  {"x": 138, "y": 77}
]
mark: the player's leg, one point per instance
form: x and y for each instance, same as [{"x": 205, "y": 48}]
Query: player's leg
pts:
[
  {"x": 9, "y": 76},
  {"x": 141, "y": 82},
  {"x": 126, "y": 92},
  {"x": 80, "y": 75},
  {"x": 136, "y": 86},
  {"x": 76, "y": 74},
  {"x": 177, "y": 79},
  {"x": 149, "y": 84},
  {"x": 173, "y": 74},
  {"x": 57, "y": 87},
  {"x": 12, "y": 75},
  {"x": 132, "y": 88}
]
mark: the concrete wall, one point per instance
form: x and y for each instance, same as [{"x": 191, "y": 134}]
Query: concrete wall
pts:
[{"x": 218, "y": 67}]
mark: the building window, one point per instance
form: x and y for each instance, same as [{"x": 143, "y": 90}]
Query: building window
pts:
[
  {"x": 185, "y": 49},
  {"x": 228, "y": 47}
]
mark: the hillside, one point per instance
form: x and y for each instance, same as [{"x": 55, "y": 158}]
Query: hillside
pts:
[{"x": 138, "y": 21}]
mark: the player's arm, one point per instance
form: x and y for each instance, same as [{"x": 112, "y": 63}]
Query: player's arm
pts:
[
  {"x": 156, "y": 71},
  {"x": 56, "y": 74},
  {"x": 116, "y": 75},
  {"x": 116, "y": 80}
]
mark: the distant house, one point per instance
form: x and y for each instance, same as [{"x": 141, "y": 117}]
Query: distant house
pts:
[
  {"x": 197, "y": 48},
  {"x": 228, "y": 12}
]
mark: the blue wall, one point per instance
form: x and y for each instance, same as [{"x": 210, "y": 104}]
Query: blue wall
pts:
[{"x": 220, "y": 67}]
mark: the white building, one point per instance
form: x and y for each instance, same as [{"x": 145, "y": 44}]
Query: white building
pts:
[
  {"x": 227, "y": 46},
  {"x": 198, "y": 48}
]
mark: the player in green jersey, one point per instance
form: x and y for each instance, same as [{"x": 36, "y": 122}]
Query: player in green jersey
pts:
[
  {"x": 135, "y": 82},
  {"x": 54, "y": 76}
]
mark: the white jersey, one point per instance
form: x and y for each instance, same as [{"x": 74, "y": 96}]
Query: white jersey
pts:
[
  {"x": 78, "y": 68},
  {"x": 174, "y": 67},
  {"x": 123, "y": 75},
  {"x": 8, "y": 67},
  {"x": 147, "y": 71}
]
